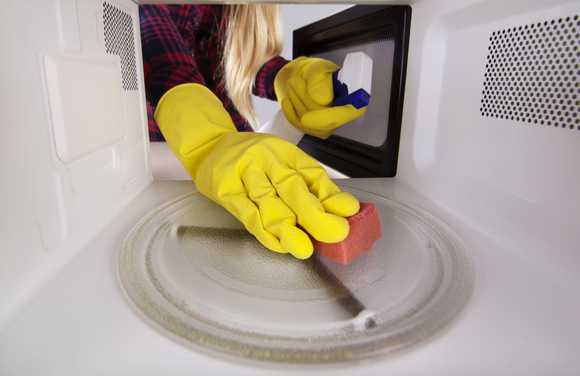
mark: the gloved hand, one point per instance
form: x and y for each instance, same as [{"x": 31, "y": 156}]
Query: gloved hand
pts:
[
  {"x": 268, "y": 184},
  {"x": 305, "y": 92}
]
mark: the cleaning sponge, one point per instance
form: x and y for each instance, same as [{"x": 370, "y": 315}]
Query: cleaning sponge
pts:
[{"x": 365, "y": 229}]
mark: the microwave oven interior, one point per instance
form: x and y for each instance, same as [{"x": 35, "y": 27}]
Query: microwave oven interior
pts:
[
  {"x": 368, "y": 146},
  {"x": 489, "y": 143}
]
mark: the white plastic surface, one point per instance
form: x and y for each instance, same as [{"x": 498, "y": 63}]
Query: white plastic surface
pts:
[
  {"x": 514, "y": 181},
  {"x": 164, "y": 164},
  {"x": 85, "y": 116},
  {"x": 68, "y": 24},
  {"x": 74, "y": 147}
]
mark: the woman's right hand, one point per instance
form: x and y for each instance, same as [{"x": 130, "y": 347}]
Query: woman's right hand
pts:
[{"x": 277, "y": 191}]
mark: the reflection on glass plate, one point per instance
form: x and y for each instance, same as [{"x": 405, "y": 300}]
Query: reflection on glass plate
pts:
[{"x": 192, "y": 271}]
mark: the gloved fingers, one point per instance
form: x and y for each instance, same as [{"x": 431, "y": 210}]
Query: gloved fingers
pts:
[
  {"x": 246, "y": 211},
  {"x": 257, "y": 184},
  {"x": 299, "y": 87},
  {"x": 292, "y": 189},
  {"x": 321, "y": 89},
  {"x": 314, "y": 175},
  {"x": 318, "y": 76},
  {"x": 295, "y": 241},
  {"x": 331, "y": 118},
  {"x": 319, "y": 183},
  {"x": 297, "y": 103},
  {"x": 290, "y": 113},
  {"x": 280, "y": 221},
  {"x": 277, "y": 218},
  {"x": 343, "y": 204}
]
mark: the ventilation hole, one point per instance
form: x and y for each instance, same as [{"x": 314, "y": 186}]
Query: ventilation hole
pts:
[
  {"x": 119, "y": 40},
  {"x": 531, "y": 74}
]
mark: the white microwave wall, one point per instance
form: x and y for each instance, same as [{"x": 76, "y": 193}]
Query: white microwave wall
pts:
[
  {"x": 75, "y": 147},
  {"x": 75, "y": 144}
]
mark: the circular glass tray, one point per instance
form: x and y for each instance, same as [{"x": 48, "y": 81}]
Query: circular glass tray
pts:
[{"x": 190, "y": 269}]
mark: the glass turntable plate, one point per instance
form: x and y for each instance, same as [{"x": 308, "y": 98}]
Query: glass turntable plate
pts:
[{"x": 191, "y": 271}]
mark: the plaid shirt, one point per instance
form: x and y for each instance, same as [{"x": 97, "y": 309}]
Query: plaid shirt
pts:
[{"x": 183, "y": 43}]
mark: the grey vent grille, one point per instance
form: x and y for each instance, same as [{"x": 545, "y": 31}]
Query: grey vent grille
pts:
[
  {"x": 532, "y": 74},
  {"x": 119, "y": 37}
]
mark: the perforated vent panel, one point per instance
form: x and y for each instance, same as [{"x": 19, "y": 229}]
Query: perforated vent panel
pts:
[
  {"x": 119, "y": 37},
  {"x": 532, "y": 74}
]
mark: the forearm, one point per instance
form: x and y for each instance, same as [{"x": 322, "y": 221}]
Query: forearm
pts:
[
  {"x": 167, "y": 59},
  {"x": 264, "y": 83},
  {"x": 192, "y": 120}
]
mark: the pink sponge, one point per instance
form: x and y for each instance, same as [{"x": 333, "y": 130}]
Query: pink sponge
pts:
[{"x": 365, "y": 229}]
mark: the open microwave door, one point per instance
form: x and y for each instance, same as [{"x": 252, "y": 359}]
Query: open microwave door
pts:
[{"x": 368, "y": 146}]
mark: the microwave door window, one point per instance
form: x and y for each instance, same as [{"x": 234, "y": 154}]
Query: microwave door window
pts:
[{"x": 372, "y": 128}]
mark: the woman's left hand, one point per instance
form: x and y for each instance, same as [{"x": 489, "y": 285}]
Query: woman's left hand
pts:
[{"x": 304, "y": 89}]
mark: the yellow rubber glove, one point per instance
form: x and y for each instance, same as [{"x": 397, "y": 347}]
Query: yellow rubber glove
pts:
[
  {"x": 305, "y": 93},
  {"x": 268, "y": 184}
]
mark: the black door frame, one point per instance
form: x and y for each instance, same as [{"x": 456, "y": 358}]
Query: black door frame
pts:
[{"x": 357, "y": 25}]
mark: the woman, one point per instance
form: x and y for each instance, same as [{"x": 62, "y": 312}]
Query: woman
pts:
[{"x": 201, "y": 64}]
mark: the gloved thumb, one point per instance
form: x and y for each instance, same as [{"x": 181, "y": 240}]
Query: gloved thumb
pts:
[{"x": 318, "y": 76}]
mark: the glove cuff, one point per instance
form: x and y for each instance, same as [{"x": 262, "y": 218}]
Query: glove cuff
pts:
[
  {"x": 192, "y": 119},
  {"x": 280, "y": 81}
]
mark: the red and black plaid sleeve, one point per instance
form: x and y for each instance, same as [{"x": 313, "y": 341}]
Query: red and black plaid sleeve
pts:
[
  {"x": 183, "y": 44},
  {"x": 167, "y": 58},
  {"x": 264, "y": 84}
]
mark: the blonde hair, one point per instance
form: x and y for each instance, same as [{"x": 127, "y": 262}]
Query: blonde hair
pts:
[{"x": 252, "y": 38}]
